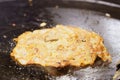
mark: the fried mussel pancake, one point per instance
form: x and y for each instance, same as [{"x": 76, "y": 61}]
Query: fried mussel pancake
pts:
[{"x": 59, "y": 46}]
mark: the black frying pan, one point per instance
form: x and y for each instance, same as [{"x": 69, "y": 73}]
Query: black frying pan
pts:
[{"x": 18, "y": 16}]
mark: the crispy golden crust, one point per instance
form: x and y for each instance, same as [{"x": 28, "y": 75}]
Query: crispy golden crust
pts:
[{"x": 60, "y": 46}]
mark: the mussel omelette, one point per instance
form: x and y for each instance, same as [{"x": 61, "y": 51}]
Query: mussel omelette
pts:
[{"x": 59, "y": 46}]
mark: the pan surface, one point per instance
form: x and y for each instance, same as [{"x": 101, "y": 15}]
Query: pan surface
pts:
[{"x": 23, "y": 18}]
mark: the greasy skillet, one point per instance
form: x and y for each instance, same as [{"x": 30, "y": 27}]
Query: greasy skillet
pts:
[{"x": 17, "y": 17}]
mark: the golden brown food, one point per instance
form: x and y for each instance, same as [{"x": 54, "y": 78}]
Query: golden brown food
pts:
[{"x": 59, "y": 47}]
